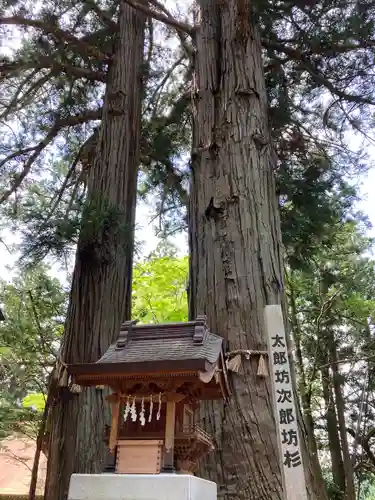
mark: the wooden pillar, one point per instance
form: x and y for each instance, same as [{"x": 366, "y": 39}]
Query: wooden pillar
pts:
[
  {"x": 168, "y": 463},
  {"x": 114, "y": 425},
  {"x": 110, "y": 465}
]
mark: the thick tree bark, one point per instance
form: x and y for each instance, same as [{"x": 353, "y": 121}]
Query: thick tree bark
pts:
[
  {"x": 235, "y": 243},
  {"x": 101, "y": 290}
]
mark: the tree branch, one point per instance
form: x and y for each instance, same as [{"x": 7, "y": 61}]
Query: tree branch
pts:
[
  {"x": 46, "y": 62},
  {"x": 102, "y": 15},
  {"x": 37, "y": 150},
  {"x": 84, "y": 48},
  {"x": 326, "y": 306},
  {"x": 16, "y": 102},
  {"x": 160, "y": 86},
  {"x": 298, "y": 56},
  {"x": 355, "y": 359},
  {"x": 329, "y": 50},
  {"x": 181, "y": 35},
  {"x": 34, "y": 310},
  {"x": 71, "y": 170},
  {"x": 364, "y": 442},
  {"x": 167, "y": 19}
]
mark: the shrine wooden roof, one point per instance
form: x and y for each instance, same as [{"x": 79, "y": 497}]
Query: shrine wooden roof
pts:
[{"x": 159, "y": 347}]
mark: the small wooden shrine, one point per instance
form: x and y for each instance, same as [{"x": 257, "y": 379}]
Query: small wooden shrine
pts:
[{"x": 158, "y": 374}]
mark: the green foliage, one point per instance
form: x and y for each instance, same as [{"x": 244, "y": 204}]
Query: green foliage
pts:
[
  {"x": 102, "y": 227},
  {"x": 35, "y": 401},
  {"x": 332, "y": 312},
  {"x": 159, "y": 289},
  {"x": 333, "y": 491},
  {"x": 313, "y": 198},
  {"x": 35, "y": 308},
  {"x": 367, "y": 488}
]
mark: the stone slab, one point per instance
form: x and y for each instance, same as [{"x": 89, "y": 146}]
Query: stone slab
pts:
[{"x": 140, "y": 487}]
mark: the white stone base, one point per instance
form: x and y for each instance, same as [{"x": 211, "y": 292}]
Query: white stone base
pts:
[{"x": 140, "y": 487}]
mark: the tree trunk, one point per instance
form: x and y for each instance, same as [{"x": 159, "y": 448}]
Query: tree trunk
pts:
[
  {"x": 235, "y": 243},
  {"x": 350, "y": 493},
  {"x": 100, "y": 297},
  {"x": 334, "y": 444},
  {"x": 38, "y": 450},
  {"x": 304, "y": 394}
]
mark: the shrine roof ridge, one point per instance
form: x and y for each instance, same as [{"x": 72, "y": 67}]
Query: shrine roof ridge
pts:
[
  {"x": 191, "y": 340},
  {"x": 197, "y": 330}
]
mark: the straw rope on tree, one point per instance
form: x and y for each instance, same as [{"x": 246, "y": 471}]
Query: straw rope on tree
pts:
[{"x": 234, "y": 360}]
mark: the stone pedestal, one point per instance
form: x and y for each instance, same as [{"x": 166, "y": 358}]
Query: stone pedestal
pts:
[{"x": 140, "y": 487}]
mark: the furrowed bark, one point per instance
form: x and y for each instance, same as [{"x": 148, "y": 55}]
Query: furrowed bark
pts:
[
  {"x": 101, "y": 290},
  {"x": 235, "y": 244}
]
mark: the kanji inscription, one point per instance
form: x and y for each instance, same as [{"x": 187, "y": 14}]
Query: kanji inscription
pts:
[{"x": 284, "y": 406}]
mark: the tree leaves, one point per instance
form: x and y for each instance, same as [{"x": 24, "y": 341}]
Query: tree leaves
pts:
[
  {"x": 35, "y": 307},
  {"x": 332, "y": 316},
  {"x": 159, "y": 290}
]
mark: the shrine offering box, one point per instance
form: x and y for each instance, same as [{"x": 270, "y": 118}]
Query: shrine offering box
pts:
[{"x": 139, "y": 457}]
